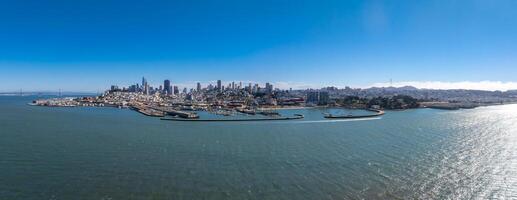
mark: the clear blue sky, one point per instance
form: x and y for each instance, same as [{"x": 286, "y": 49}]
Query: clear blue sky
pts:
[{"x": 89, "y": 45}]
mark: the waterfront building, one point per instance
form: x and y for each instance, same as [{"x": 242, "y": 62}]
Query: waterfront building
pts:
[
  {"x": 318, "y": 97},
  {"x": 324, "y": 98},
  {"x": 269, "y": 88},
  {"x": 312, "y": 97},
  {"x": 189, "y": 97}
]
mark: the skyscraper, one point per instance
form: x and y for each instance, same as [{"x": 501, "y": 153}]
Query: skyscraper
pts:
[
  {"x": 198, "y": 88},
  {"x": 269, "y": 88},
  {"x": 167, "y": 86},
  {"x": 219, "y": 86},
  {"x": 145, "y": 86},
  {"x": 144, "y": 82}
]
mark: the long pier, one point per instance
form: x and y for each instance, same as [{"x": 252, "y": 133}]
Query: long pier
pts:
[
  {"x": 148, "y": 111},
  {"x": 296, "y": 116},
  {"x": 151, "y": 112},
  {"x": 246, "y": 111},
  {"x": 377, "y": 113},
  {"x": 173, "y": 112}
]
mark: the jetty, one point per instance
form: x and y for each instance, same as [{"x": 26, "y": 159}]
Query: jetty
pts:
[
  {"x": 179, "y": 113},
  {"x": 376, "y": 114},
  {"x": 246, "y": 111},
  {"x": 269, "y": 113},
  {"x": 295, "y": 116},
  {"x": 151, "y": 112},
  {"x": 148, "y": 111}
]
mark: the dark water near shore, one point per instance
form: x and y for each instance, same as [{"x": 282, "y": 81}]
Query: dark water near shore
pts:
[{"x": 108, "y": 153}]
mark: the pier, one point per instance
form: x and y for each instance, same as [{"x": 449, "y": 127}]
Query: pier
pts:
[
  {"x": 246, "y": 111},
  {"x": 151, "y": 112},
  {"x": 179, "y": 113},
  {"x": 376, "y": 114},
  {"x": 148, "y": 111},
  {"x": 296, "y": 116}
]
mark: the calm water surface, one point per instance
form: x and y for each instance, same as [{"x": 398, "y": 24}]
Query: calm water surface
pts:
[{"x": 108, "y": 153}]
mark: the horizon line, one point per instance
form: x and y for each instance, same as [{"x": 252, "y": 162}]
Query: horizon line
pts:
[{"x": 421, "y": 85}]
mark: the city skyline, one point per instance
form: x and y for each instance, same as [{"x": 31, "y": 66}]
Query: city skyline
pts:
[
  {"x": 482, "y": 85},
  {"x": 86, "y": 47},
  {"x": 467, "y": 85}
]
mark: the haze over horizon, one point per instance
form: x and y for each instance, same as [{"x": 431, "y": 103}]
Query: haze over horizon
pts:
[{"x": 90, "y": 45}]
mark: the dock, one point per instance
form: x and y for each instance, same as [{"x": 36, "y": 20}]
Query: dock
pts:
[
  {"x": 151, "y": 112},
  {"x": 179, "y": 113},
  {"x": 148, "y": 111},
  {"x": 296, "y": 116},
  {"x": 377, "y": 113},
  {"x": 246, "y": 111}
]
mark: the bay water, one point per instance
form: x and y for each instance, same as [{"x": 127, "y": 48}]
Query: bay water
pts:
[{"x": 110, "y": 153}]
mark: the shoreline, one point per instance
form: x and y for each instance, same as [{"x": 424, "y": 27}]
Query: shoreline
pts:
[{"x": 157, "y": 112}]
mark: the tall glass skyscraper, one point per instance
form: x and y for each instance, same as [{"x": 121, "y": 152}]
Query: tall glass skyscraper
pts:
[
  {"x": 167, "y": 86},
  {"x": 219, "y": 86}
]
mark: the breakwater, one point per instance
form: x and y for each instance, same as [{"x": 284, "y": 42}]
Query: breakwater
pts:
[
  {"x": 296, "y": 116},
  {"x": 174, "y": 112},
  {"x": 376, "y": 114}
]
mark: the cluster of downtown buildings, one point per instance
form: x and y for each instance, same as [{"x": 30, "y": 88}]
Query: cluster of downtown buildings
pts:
[
  {"x": 168, "y": 89},
  {"x": 232, "y": 93}
]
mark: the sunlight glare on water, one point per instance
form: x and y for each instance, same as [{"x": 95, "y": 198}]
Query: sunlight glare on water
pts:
[{"x": 480, "y": 160}]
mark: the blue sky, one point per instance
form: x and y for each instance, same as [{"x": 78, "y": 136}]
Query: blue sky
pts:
[{"x": 89, "y": 45}]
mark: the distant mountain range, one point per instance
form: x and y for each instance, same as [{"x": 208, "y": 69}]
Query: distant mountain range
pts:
[{"x": 461, "y": 95}]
